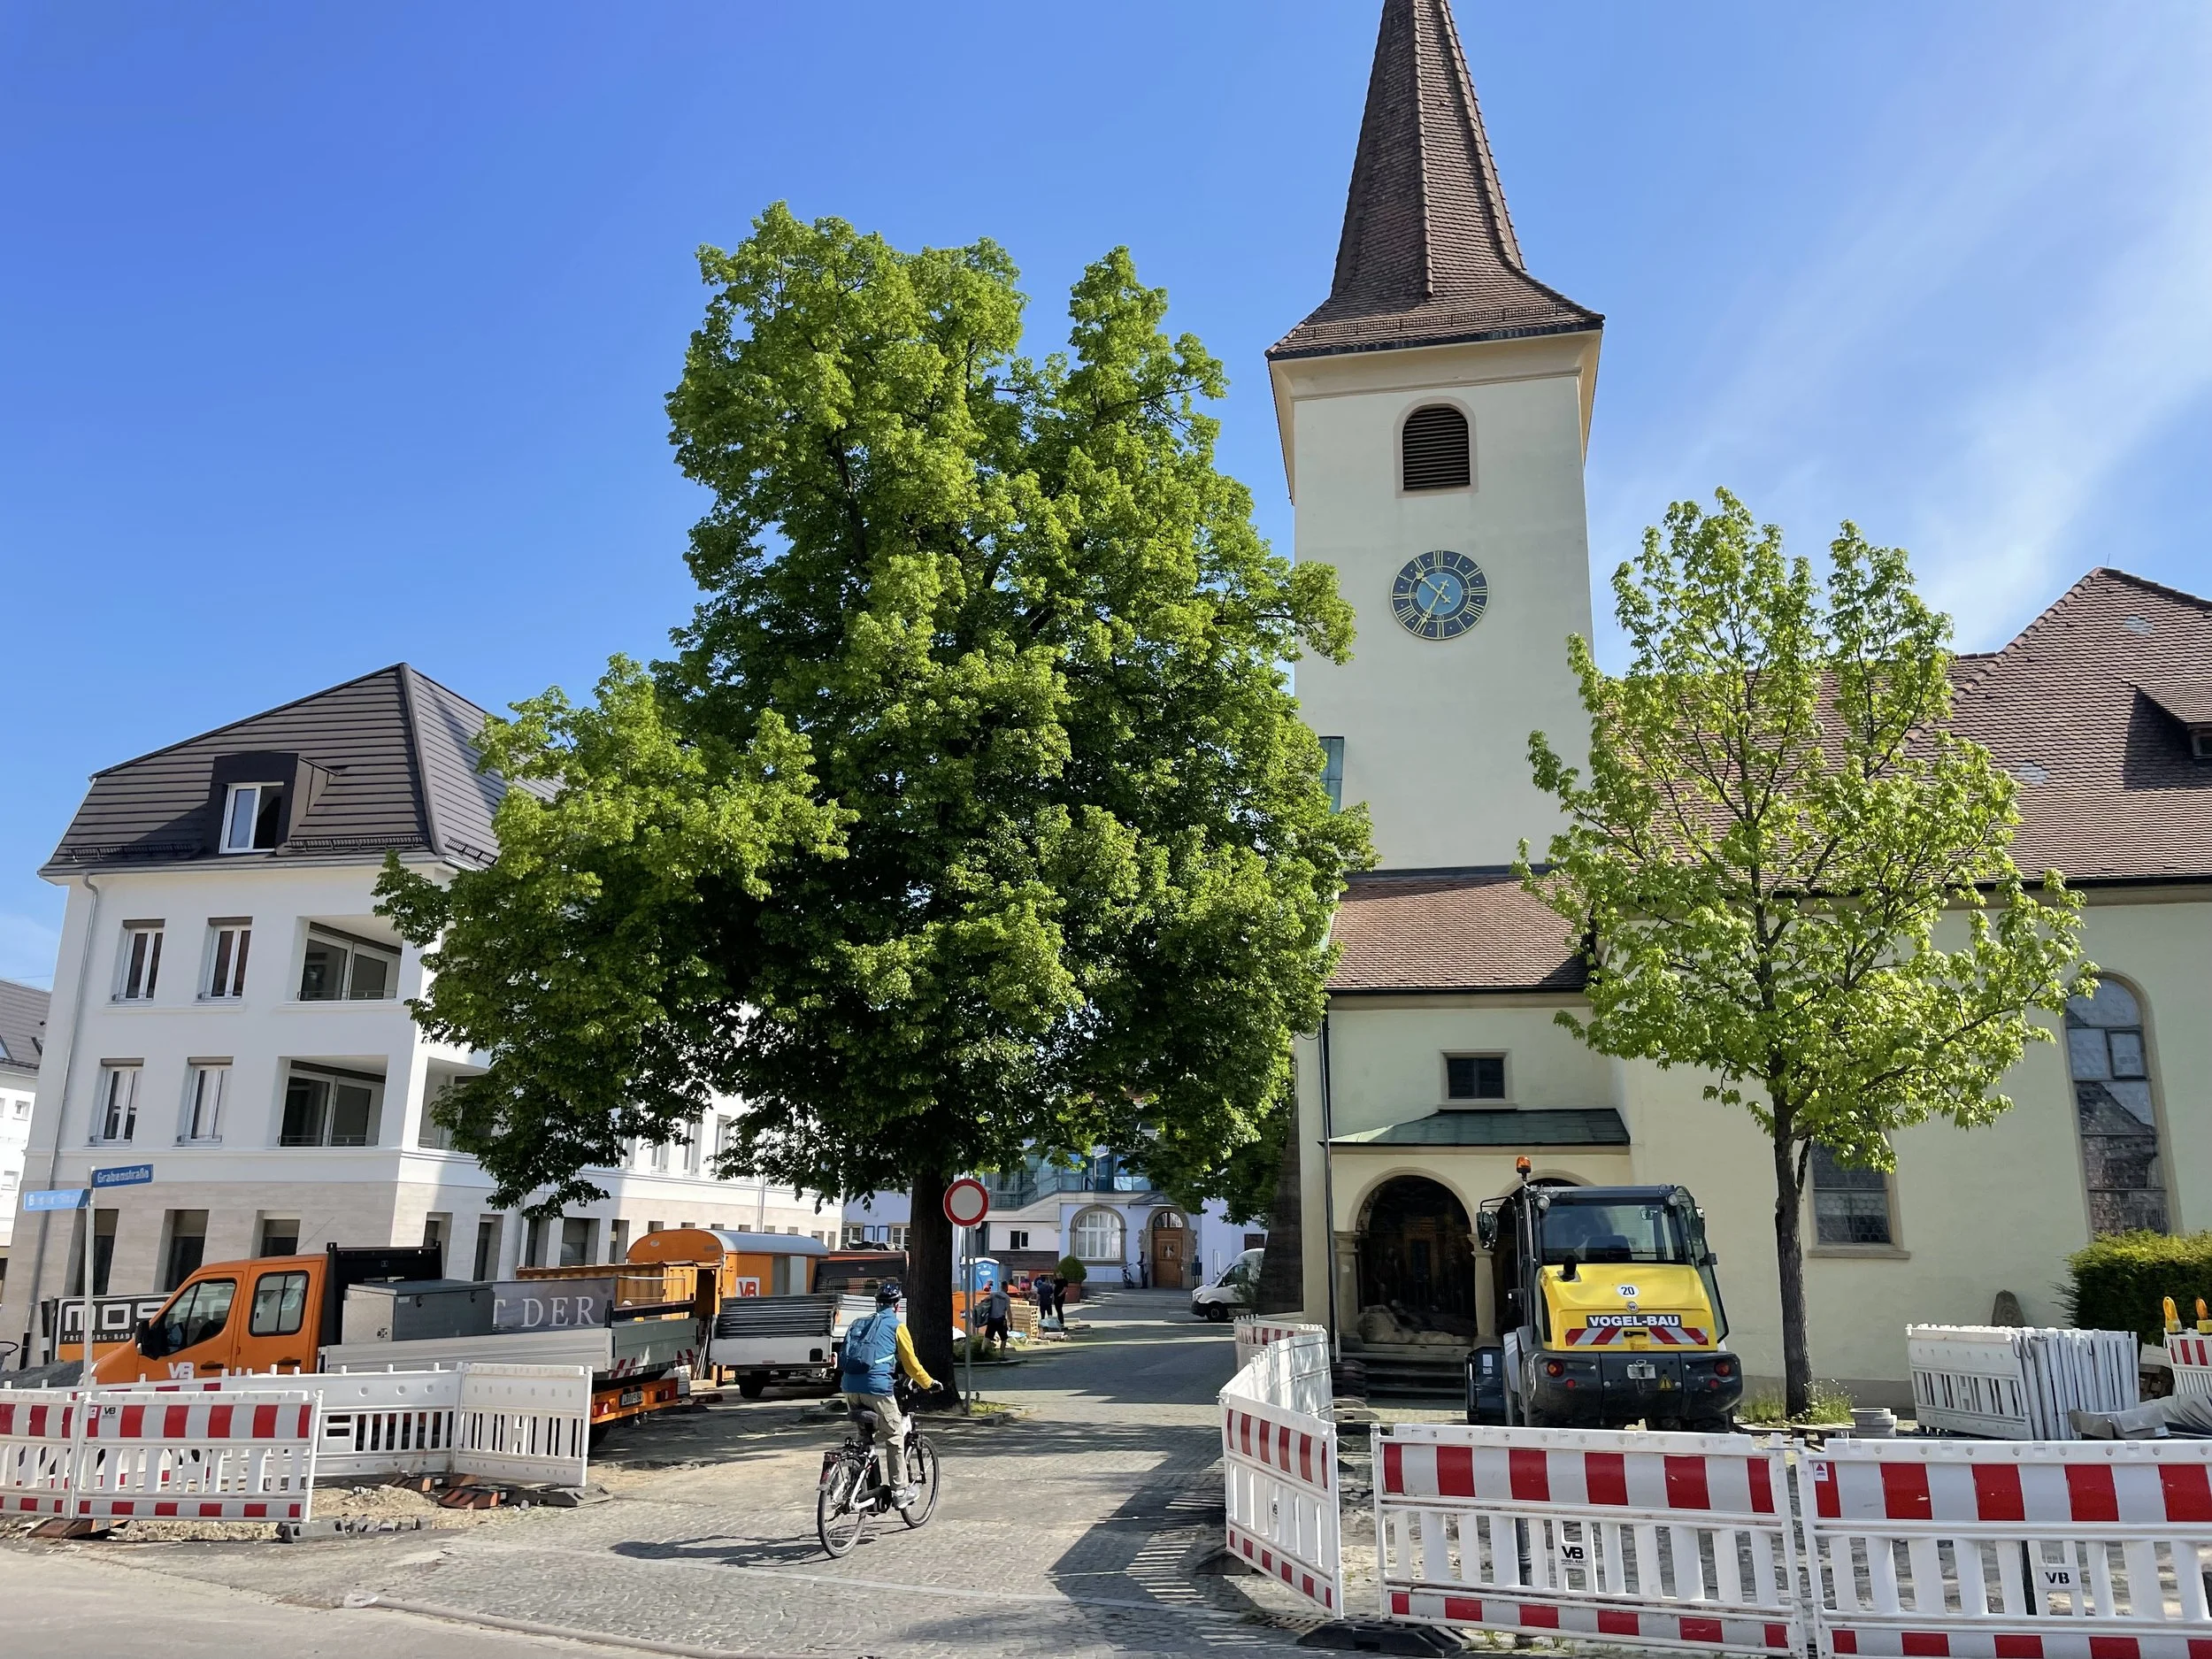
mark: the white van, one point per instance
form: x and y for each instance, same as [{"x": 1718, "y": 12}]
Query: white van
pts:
[{"x": 1232, "y": 1293}]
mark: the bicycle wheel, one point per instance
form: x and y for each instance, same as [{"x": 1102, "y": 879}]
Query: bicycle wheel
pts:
[
  {"x": 921, "y": 1474},
  {"x": 838, "y": 1515}
]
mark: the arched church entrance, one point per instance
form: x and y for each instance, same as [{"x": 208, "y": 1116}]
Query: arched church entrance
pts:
[{"x": 1416, "y": 1267}]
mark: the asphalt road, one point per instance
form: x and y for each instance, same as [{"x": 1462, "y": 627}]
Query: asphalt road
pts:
[{"x": 1081, "y": 1527}]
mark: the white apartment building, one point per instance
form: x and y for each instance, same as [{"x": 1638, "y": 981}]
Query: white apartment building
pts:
[
  {"x": 22, "y": 1028},
  {"x": 229, "y": 1009}
]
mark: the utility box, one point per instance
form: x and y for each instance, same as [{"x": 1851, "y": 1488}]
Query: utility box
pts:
[{"x": 416, "y": 1311}]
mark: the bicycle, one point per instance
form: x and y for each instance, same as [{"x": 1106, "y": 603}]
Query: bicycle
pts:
[{"x": 852, "y": 1486}]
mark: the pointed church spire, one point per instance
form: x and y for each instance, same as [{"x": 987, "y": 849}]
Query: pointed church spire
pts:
[{"x": 1428, "y": 255}]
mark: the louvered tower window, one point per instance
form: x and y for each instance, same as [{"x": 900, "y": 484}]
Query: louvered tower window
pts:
[{"x": 1435, "y": 444}]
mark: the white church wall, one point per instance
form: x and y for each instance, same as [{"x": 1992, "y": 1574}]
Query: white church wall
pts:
[
  {"x": 1436, "y": 732},
  {"x": 1388, "y": 1056}
]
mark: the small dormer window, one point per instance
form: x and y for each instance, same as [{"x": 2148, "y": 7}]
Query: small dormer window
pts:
[
  {"x": 252, "y": 817},
  {"x": 2201, "y": 742}
]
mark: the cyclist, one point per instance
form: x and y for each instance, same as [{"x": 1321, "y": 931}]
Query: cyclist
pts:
[{"x": 877, "y": 1349}]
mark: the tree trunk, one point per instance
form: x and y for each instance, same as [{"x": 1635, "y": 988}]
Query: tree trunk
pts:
[
  {"x": 1789, "y": 1203},
  {"x": 929, "y": 1268},
  {"x": 1281, "y": 1288}
]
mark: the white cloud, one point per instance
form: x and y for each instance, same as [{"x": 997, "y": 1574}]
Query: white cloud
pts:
[{"x": 1885, "y": 378}]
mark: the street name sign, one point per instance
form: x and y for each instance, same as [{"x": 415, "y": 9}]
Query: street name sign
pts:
[
  {"x": 57, "y": 1198},
  {"x": 123, "y": 1175}
]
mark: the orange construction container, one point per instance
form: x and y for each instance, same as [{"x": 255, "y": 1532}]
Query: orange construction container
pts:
[{"x": 744, "y": 1263}]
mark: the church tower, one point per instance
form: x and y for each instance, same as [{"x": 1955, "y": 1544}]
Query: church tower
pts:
[{"x": 1434, "y": 412}]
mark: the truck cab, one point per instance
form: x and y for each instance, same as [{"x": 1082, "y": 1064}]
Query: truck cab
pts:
[
  {"x": 1609, "y": 1309},
  {"x": 271, "y": 1314}
]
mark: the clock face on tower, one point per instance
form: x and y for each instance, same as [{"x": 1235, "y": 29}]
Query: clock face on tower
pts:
[{"x": 1440, "y": 596}]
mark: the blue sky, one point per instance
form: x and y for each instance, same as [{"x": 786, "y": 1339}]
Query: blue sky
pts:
[{"x": 334, "y": 336}]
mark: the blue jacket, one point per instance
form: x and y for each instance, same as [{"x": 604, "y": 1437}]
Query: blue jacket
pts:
[{"x": 868, "y": 1360}]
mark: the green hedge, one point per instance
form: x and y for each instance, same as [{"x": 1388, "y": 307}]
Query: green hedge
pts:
[
  {"x": 2119, "y": 1281},
  {"x": 1073, "y": 1271}
]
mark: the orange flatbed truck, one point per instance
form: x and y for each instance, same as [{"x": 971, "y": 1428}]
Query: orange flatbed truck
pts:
[{"x": 363, "y": 1308}]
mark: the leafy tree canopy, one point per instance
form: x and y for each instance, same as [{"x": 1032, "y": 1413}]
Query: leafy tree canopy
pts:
[
  {"x": 1794, "y": 875},
  {"x": 972, "y": 812}
]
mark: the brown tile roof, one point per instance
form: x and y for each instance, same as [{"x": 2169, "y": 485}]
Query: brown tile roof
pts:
[
  {"x": 1428, "y": 254},
  {"x": 2089, "y": 707},
  {"x": 1459, "y": 930}
]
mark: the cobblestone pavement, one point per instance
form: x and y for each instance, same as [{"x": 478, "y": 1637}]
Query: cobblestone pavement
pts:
[{"x": 1083, "y": 1527}]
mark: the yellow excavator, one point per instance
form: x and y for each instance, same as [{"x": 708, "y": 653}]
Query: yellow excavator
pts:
[{"x": 1609, "y": 1308}]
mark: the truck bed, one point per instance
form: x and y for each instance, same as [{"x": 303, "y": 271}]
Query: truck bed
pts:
[{"x": 629, "y": 1347}]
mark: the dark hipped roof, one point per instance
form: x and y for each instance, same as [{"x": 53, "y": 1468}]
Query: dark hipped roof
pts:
[
  {"x": 401, "y": 751},
  {"x": 1453, "y": 930},
  {"x": 2089, "y": 707},
  {"x": 23, "y": 1009},
  {"x": 1554, "y": 1127},
  {"x": 1428, "y": 255}
]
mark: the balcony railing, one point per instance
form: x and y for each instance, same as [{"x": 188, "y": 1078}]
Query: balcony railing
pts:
[{"x": 1016, "y": 1191}]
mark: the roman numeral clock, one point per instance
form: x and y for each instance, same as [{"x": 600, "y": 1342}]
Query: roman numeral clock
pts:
[{"x": 1440, "y": 596}]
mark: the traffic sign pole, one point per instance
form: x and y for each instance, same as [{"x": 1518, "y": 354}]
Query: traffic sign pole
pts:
[
  {"x": 966, "y": 1203},
  {"x": 120, "y": 1175}
]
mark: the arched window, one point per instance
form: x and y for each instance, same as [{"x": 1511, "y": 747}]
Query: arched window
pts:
[
  {"x": 1434, "y": 447},
  {"x": 2112, "y": 1102},
  {"x": 1097, "y": 1236}
]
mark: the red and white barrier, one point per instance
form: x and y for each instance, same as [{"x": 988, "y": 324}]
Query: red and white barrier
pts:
[
  {"x": 1254, "y": 1332},
  {"x": 224, "y": 1456},
  {"x": 38, "y": 1449},
  {"x": 528, "y": 1424},
  {"x": 2191, "y": 1357},
  {"x": 1672, "y": 1541},
  {"x": 2075, "y": 1549},
  {"x": 1278, "y": 1466}
]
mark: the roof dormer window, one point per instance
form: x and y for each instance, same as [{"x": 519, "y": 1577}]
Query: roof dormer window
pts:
[{"x": 253, "y": 817}]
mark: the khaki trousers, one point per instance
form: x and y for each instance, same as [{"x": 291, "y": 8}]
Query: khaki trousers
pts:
[{"x": 893, "y": 1420}]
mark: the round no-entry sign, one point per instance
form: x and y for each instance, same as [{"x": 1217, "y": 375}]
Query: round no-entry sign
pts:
[{"x": 966, "y": 1203}]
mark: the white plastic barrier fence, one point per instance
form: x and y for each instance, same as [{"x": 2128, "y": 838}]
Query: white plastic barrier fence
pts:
[
  {"x": 528, "y": 1424},
  {"x": 2191, "y": 1357},
  {"x": 523, "y": 1423},
  {"x": 1669, "y": 1540},
  {"x": 1254, "y": 1332},
  {"x": 38, "y": 1448},
  {"x": 231, "y": 1456},
  {"x": 2087, "y": 1549},
  {"x": 2017, "y": 1383},
  {"x": 1278, "y": 1466}
]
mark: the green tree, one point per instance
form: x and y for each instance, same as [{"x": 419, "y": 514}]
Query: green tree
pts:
[
  {"x": 1072, "y": 877},
  {"x": 1775, "y": 827}
]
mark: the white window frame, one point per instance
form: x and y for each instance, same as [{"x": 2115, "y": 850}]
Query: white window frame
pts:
[
  {"x": 115, "y": 1108},
  {"x": 206, "y": 1090},
  {"x": 353, "y": 948},
  {"x": 252, "y": 793},
  {"x": 1892, "y": 1246},
  {"x": 138, "y": 968},
  {"x": 331, "y": 1078},
  {"x": 1102, "y": 1214},
  {"x": 1503, "y": 1097},
  {"x": 223, "y": 964}
]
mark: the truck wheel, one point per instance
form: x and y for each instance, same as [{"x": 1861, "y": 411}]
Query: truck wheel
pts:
[{"x": 752, "y": 1386}]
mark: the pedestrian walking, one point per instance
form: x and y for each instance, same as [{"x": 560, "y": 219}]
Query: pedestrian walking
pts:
[
  {"x": 1060, "y": 1299},
  {"x": 1040, "y": 1287},
  {"x": 998, "y": 1313}
]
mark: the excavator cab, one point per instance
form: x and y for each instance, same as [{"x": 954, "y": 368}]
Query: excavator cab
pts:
[{"x": 1609, "y": 1309}]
